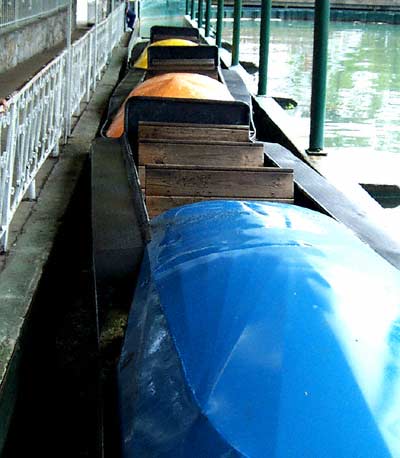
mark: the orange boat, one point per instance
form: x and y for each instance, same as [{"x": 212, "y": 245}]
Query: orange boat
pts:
[{"x": 176, "y": 85}]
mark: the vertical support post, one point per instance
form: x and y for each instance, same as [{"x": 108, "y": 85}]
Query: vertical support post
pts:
[
  {"x": 68, "y": 86},
  {"x": 9, "y": 171},
  {"x": 265, "y": 27},
  {"x": 110, "y": 38},
  {"x": 192, "y": 10},
  {"x": 319, "y": 75},
  {"x": 237, "y": 16},
  {"x": 200, "y": 14},
  {"x": 32, "y": 190},
  {"x": 220, "y": 23},
  {"x": 137, "y": 13},
  {"x": 207, "y": 26},
  {"x": 89, "y": 70},
  {"x": 58, "y": 108},
  {"x": 187, "y": 7},
  {"x": 96, "y": 12}
]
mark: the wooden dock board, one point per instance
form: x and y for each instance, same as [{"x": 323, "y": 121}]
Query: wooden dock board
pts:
[
  {"x": 180, "y": 131},
  {"x": 168, "y": 186},
  {"x": 333, "y": 202},
  {"x": 157, "y": 204},
  {"x": 238, "y": 154},
  {"x": 258, "y": 182}
]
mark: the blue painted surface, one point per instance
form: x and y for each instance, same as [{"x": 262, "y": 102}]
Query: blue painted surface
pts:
[{"x": 274, "y": 332}]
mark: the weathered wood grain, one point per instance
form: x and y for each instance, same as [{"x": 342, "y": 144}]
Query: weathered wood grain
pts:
[
  {"x": 142, "y": 175},
  {"x": 236, "y": 154},
  {"x": 238, "y": 182},
  {"x": 192, "y": 132},
  {"x": 158, "y": 204}
]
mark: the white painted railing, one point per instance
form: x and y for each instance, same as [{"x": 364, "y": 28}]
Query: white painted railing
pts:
[
  {"x": 39, "y": 115},
  {"x": 14, "y": 12}
]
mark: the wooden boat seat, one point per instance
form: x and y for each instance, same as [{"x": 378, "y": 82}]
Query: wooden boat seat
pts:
[
  {"x": 174, "y": 111},
  {"x": 211, "y": 153},
  {"x": 183, "y": 59},
  {"x": 161, "y": 32},
  {"x": 190, "y": 131},
  {"x": 169, "y": 186},
  {"x": 196, "y": 144}
]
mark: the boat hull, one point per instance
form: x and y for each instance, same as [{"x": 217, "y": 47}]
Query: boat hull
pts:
[{"x": 259, "y": 330}]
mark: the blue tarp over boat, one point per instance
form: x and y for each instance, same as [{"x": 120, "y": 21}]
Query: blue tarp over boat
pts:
[{"x": 261, "y": 330}]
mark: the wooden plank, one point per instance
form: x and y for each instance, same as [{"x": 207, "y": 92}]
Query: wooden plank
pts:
[
  {"x": 236, "y": 154},
  {"x": 158, "y": 131},
  {"x": 346, "y": 208},
  {"x": 142, "y": 175},
  {"x": 208, "y": 64},
  {"x": 158, "y": 204},
  {"x": 151, "y": 72},
  {"x": 242, "y": 182}
]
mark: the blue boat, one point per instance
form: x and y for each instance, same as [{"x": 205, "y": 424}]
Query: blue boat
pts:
[{"x": 260, "y": 330}]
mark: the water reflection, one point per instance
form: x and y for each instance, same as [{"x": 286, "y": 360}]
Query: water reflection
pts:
[
  {"x": 160, "y": 12},
  {"x": 363, "y": 79}
]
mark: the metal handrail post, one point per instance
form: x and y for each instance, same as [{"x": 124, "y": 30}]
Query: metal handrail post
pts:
[
  {"x": 237, "y": 16},
  {"x": 220, "y": 23},
  {"x": 265, "y": 28},
  {"x": 319, "y": 75},
  {"x": 11, "y": 149},
  {"x": 68, "y": 94},
  {"x": 187, "y": 7},
  {"x": 96, "y": 21},
  {"x": 89, "y": 69},
  {"x": 207, "y": 26},
  {"x": 192, "y": 10},
  {"x": 200, "y": 14}
]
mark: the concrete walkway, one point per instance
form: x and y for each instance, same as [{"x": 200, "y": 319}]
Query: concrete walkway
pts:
[
  {"x": 34, "y": 231},
  {"x": 15, "y": 78}
]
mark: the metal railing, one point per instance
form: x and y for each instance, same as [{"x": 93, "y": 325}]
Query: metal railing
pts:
[
  {"x": 320, "y": 53},
  {"x": 38, "y": 116},
  {"x": 16, "y": 11}
]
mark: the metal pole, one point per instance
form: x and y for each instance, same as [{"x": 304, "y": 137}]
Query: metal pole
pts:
[
  {"x": 9, "y": 175},
  {"x": 265, "y": 28},
  {"x": 237, "y": 15},
  {"x": 96, "y": 13},
  {"x": 220, "y": 23},
  {"x": 200, "y": 14},
  {"x": 319, "y": 75},
  {"x": 137, "y": 12},
  {"x": 192, "y": 14},
  {"x": 32, "y": 190},
  {"x": 68, "y": 94},
  {"x": 187, "y": 7},
  {"x": 208, "y": 18}
]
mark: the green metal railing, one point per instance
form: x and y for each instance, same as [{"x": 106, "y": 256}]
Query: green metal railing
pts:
[
  {"x": 319, "y": 75},
  {"x": 192, "y": 10},
  {"x": 220, "y": 23},
  {"x": 207, "y": 26},
  {"x": 200, "y": 13},
  {"x": 264, "y": 46},
  {"x": 320, "y": 53},
  {"x": 237, "y": 16}
]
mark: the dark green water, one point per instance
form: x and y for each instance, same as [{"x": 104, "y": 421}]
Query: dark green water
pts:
[
  {"x": 363, "y": 101},
  {"x": 161, "y": 12}
]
